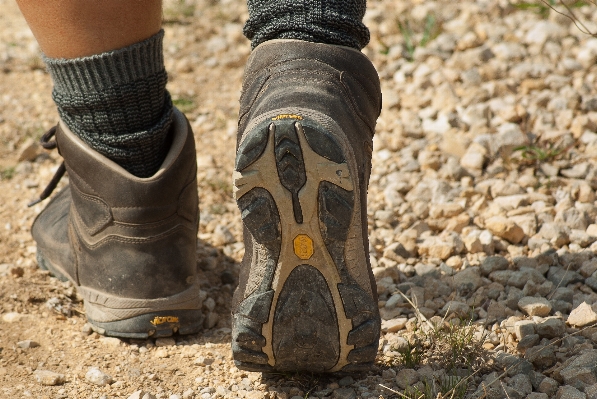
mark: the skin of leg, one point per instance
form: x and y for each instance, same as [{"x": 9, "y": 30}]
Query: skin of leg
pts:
[{"x": 79, "y": 28}]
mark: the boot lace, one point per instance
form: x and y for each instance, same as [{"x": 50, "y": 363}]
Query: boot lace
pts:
[{"x": 49, "y": 145}]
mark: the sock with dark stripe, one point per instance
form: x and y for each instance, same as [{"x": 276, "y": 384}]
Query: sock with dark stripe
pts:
[{"x": 117, "y": 103}]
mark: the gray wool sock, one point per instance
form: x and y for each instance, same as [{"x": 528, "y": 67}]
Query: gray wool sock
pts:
[
  {"x": 321, "y": 21},
  {"x": 117, "y": 103}
]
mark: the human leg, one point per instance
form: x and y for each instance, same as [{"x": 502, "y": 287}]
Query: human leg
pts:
[
  {"x": 106, "y": 61},
  {"x": 74, "y": 28},
  {"x": 306, "y": 298},
  {"x": 123, "y": 232}
]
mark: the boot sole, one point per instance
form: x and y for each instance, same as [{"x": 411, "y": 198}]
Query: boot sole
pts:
[
  {"x": 297, "y": 189},
  {"x": 156, "y": 324}
]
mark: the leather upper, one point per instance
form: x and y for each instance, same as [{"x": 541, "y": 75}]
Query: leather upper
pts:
[{"x": 127, "y": 236}]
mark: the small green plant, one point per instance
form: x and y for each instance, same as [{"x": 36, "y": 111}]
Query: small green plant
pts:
[
  {"x": 447, "y": 387},
  {"x": 544, "y": 7},
  {"x": 7, "y": 173},
  {"x": 539, "y": 153},
  {"x": 184, "y": 104},
  {"x": 411, "y": 356},
  {"x": 453, "y": 346},
  {"x": 430, "y": 32},
  {"x": 539, "y": 7},
  {"x": 562, "y": 7}
]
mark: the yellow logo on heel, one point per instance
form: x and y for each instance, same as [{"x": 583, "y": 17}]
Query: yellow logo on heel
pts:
[
  {"x": 164, "y": 319},
  {"x": 303, "y": 246},
  {"x": 287, "y": 116}
]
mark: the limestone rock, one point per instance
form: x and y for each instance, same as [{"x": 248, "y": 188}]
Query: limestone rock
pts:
[
  {"x": 393, "y": 325},
  {"x": 97, "y": 377},
  {"x": 49, "y": 378},
  {"x": 582, "y": 316},
  {"x": 474, "y": 158},
  {"x": 141, "y": 395},
  {"x": 535, "y": 306},
  {"x": 524, "y": 328},
  {"x": 505, "y": 228}
]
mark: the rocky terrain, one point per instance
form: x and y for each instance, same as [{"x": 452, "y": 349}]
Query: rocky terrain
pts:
[{"x": 482, "y": 212}]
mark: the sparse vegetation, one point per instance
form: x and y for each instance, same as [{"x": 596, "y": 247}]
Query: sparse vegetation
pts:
[
  {"x": 184, "y": 104},
  {"x": 455, "y": 347},
  {"x": 562, "y": 7},
  {"x": 538, "y": 7},
  {"x": 430, "y": 31},
  {"x": 446, "y": 387},
  {"x": 539, "y": 152},
  {"x": 7, "y": 173}
]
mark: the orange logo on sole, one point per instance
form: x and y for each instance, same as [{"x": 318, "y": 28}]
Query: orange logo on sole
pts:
[{"x": 303, "y": 246}]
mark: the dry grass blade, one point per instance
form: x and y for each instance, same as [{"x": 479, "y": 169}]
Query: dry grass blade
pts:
[
  {"x": 419, "y": 314},
  {"x": 464, "y": 380},
  {"x": 504, "y": 389},
  {"x": 499, "y": 377},
  {"x": 572, "y": 16},
  {"x": 396, "y": 392}
]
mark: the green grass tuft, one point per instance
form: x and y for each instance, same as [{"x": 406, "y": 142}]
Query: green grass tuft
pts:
[
  {"x": 184, "y": 104},
  {"x": 431, "y": 30},
  {"x": 7, "y": 173}
]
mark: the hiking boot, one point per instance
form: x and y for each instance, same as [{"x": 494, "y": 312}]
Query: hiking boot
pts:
[
  {"x": 127, "y": 243},
  {"x": 306, "y": 298}
]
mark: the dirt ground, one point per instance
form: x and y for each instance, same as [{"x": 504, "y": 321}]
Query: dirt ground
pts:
[{"x": 422, "y": 135}]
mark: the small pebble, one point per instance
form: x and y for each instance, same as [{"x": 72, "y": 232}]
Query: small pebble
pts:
[
  {"x": 97, "y": 377},
  {"x": 49, "y": 378}
]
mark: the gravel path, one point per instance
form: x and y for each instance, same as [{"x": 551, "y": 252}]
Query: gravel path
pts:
[{"x": 481, "y": 205}]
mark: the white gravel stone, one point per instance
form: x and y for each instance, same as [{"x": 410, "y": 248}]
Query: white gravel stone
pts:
[
  {"x": 141, "y": 395},
  {"x": 474, "y": 158},
  {"x": 535, "y": 306},
  {"x": 393, "y": 325},
  {"x": 505, "y": 228},
  {"x": 97, "y": 377},
  {"x": 524, "y": 328},
  {"x": 583, "y": 315},
  {"x": 12, "y": 317},
  {"x": 27, "y": 344},
  {"x": 49, "y": 378}
]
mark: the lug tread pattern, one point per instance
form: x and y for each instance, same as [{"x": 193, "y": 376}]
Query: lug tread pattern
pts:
[
  {"x": 252, "y": 148},
  {"x": 260, "y": 216},
  {"x": 305, "y": 334},
  {"x": 305, "y": 324},
  {"x": 290, "y": 163}
]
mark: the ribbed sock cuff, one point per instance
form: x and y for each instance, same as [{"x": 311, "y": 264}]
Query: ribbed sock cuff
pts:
[
  {"x": 117, "y": 103},
  {"x": 321, "y": 21},
  {"x": 113, "y": 68}
]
